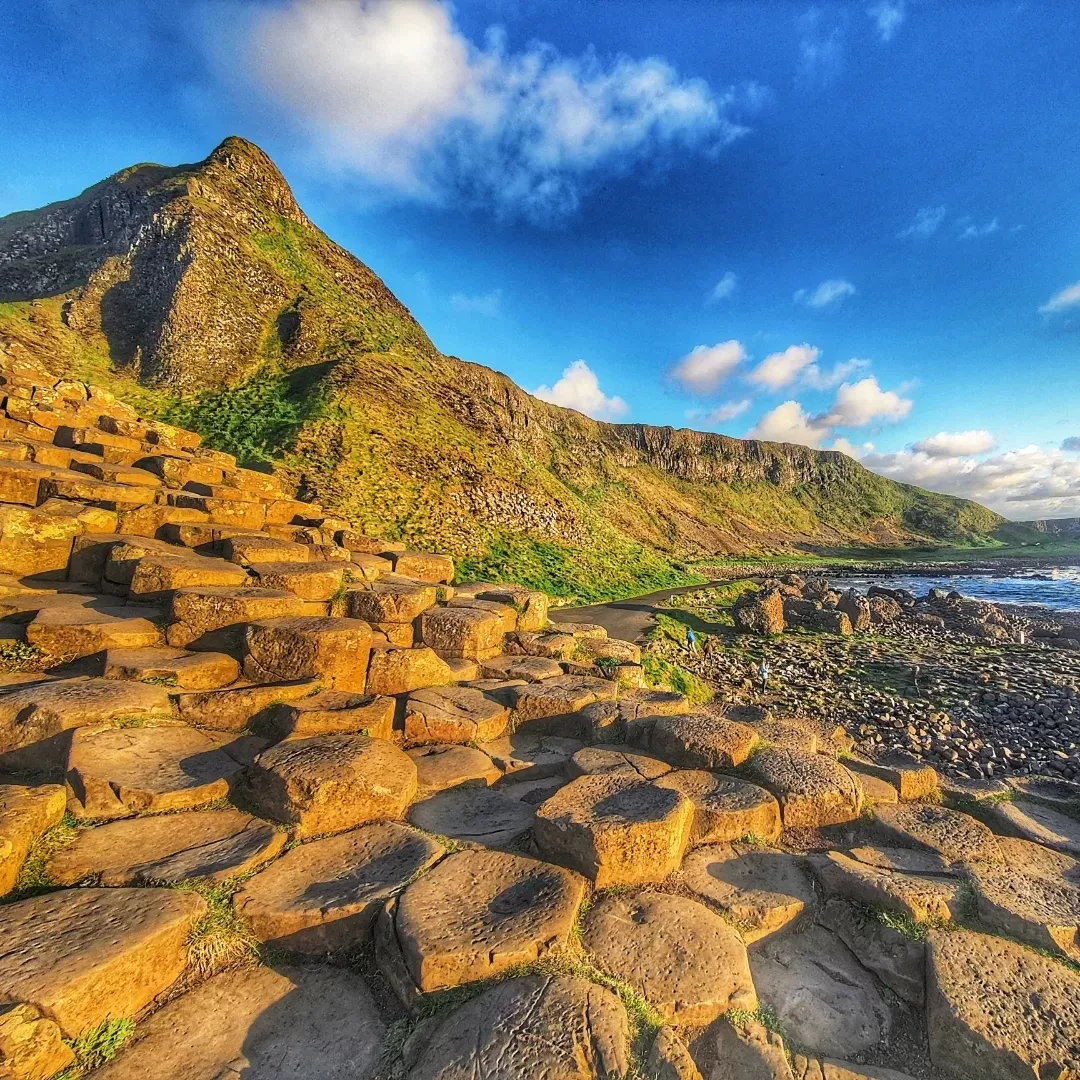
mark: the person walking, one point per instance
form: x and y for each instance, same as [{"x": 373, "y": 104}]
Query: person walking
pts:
[
  {"x": 691, "y": 640},
  {"x": 763, "y": 671}
]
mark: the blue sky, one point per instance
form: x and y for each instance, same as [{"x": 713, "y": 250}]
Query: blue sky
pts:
[{"x": 851, "y": 225}]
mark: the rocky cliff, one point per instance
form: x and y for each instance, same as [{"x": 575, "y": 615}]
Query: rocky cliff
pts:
[{"x": 204, "y": 292}]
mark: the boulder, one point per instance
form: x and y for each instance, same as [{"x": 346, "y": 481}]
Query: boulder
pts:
[
  {"x": 25, "y": 813},
  {"x": 760, "y": 612},
  {"x": 333, "y": 651},
  {"x": 331, "y": 712},
  {"x": 474, "y": 815},
  {"x": 172, "y": 667},
  {"x": 812, "y": 789},
  {"x": 857, "y": 608},
  {"x": 394, "y": 670},
  {"x": 440, "y": 766},
  {"x": 453, "y": 714},
  {"x": 725, "y": 808},
  {"x": 830, "y": 622},
  {"x": 688, "y": 963},
  {"x": 702, "y": 741},
  {"x": 955, "y": 836}
]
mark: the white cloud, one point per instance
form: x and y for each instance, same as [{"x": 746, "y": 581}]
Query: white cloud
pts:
[
  {"x": 821, "y": 48},
  {"x": 848, "y": 448},
  {"x": 862, "y": 403},
  {"x": 789, "y": 422},
  {"x": 887, "y": 16},
  {"x": 487, "y": 304},
  {"x": 579, "y": 388},
  {"x": 1069, "y": 297},
  {"x": 971, "y": 231},
  {"x": 947, "y": 444},
  {"x": 1071, "y": 443},
  {"x": 706, "y": 367},
  {"x": 927, "y": 222},
  {"x": 393, "y": 91},
  {"x": 781, "y": 369},
  {"x": 723, "y": 288},
  {"x": 726, "y": 411},
  {"x": 828, "y": 294},
  {"x": 816, "y": 378}
]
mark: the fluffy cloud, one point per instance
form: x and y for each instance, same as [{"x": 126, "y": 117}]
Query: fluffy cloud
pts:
[
  {"x": 579, "y": 388},
  {"x": 887, "y": 16},
  {"x": 706, "y": 367},
  {"x": 845, "y": 447},
  {"x": 828, "y": 294},
  {"x": 971, "y": 231},
  {"x": 392, "y": 90},
  {"x": 821, "y": 48},
  {"x": 950, "y": 444},
  {"x": 488, "y": 304},
  {"x": 789, "y": 422},
  {"x": 1071, "y": 443},
  {"x": 817, "y": 378},
  {"x": 726, "y": 411},
  {"x": 927, "y": 222},
  {"x": 723, "y": 288},
  {"x": 1069, "y": 297},
  {"x": 781, "y": 369}
]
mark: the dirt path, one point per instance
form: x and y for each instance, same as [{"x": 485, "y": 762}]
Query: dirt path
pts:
[{"x": 628, "y": 619}]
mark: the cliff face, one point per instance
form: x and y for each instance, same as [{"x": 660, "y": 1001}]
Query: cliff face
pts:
[
  {"x": 1065, "y": 528},
  {"x": 206, "y": 290}
]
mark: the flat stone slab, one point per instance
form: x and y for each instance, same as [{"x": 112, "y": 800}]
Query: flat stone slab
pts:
[
  {"x": 82, "y": 631},
  {"x": 812, "y": 789},
  {"x": 331, "y": 712},
  {"x": 82, "y": 955},
  {"x": 236, "y": 707},
  {"x": 453, "y": 714},
  {"x": 1038, "y": 823},
  {"x": 330, "y": 783},
  {"x": 116, "y": 772},
  {"x": 1027, "y": 857},
  {"x": 523, "y": 1029},
  {"x": 474, "y": 815},
  {"x": 480, "y": 913},
  {"x": 803, "y": 1068},
  {"x": 726, "y": 808},
  {"x": 323, "y": 896},
  {"x": 173, "y": 667},
  {"x": 686, "y": 961},
  {"x": 615, "y": 759},
  {"x": 702, "y": 741},
  {"x": 212, "y": 845},
  {"x": 25, "y": 813},
  {"x": 530, "y": 756},
  {"x": 292, "y": 1023},
  {"x": 527, "y": 668},
  {"x": 759, "y": 889},
  {"x": 440, "y": 766},
  {"x": 615, "y": 829},
  {"x": 906, "y": 860},
  {"x": 1042, "y": 910},
  {"x": 998, "y": 1009},
  {"x": 955, "y": 836},
  {"x": 912, "y": 778},
  {"x": 825, "y": 1000},
  {"x": 560, "y": 696}
]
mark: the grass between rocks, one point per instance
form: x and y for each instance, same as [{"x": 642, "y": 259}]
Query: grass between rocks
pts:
[
  {"x": 94, "y": 1048},
  {"x": 219, "y": 940},
  {"x": 762, "y": 1015},
  {"x": 34, "y": 877}
]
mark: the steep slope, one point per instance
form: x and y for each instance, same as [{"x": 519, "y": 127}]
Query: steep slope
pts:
[{"x": 206, "y": 293}]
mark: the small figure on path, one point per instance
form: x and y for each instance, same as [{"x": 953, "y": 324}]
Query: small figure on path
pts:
[
  {"x": 763, "y": 671},
  {"x": 710, "y": 647},
  {"x": 691, "y": 640},
  {"x": 915, "y": 678}
]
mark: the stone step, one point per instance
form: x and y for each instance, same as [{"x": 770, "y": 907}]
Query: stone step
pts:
[
  {"x": 157, "y": 577},
  {"x": 75, "y": 631},
  {"x": 117, "y": 474},
  {"x": 172, "y": 667},
  {"x": 25, "y": 813}
]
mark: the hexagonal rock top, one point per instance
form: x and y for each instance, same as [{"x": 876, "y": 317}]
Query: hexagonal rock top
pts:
[
  {"x": 116, "y": 772},
  {"x": 955, "y": 836},
  {"x": 688, "y": 963},
  {"x": 291, "y": 1023},
  {"x": 761, "y": 890},
  {"x": 212, "y": 845},
  {"x": 81, "y": 955},
  {"x": 615, "y": 759},
  {"x": 440, "y": 766},
  {"x": 615, "y": 829},
  {"x": 453, "y": 714},
  {"x": 324, "y": 895},
  {"x": 479, "y": 913},
  {"x": 463, "y": 632},
  {"x": 474, "y": 815},
  {"x": 912, "y": 778},
  {"x": 554, "y": 1027},
  {"x": 998, "y": 1009},
  {"x": 1042, "y": 910},
  {"x": 725, "y": 808},
  {"x": 560, "y": 696},
  {"x": 701, "y": 741},
  {"x": 812, "y": 789},
  {"x": 1038, "y": 823},
  {"x": 331, "y": 783}
]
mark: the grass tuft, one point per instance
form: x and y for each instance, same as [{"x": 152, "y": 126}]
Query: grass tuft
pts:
[
  {"x": 220, "y": 940},
  {"x": 97, "y": 1047},
  {"x": 34, "y": 877},
  {"x": 762, "y": 1015}
]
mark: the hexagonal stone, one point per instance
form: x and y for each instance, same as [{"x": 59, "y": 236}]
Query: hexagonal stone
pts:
[
  {"x": 334, "y": 651},
  {"x": 998, "y": 1009},
  {"x": 1041, "y": 910},
  {"x": 526, "y": 668},
  {"x": 25, "y": 813},
  {"x": 701, "y": 741},
  {"x": 1026, "y": 857},
  {"x": 1037, "y": 823},
  {"x": 214, "y": 618},
  {"x": 760, "y": 890},
  {"x": 324, "y": 895},
  {"x": 317, "y": 581},
  {"x": 531, "y": 605},
  {"x": 82, "y": 955},
  {"x": 725, "y": 808},
  {"x": 616, "y": 830},
  {"x": 158, "y": 576},
  {"x": 480, "y": 913},
  {"x": 811, "y": 789},
  {"x": 116, "y": 772},
  {"x": 82, "y": 631},
  {"x": 213, "y": 845},
  {"x": 688, "y": 963},
  {"x": 560, "y": 696},
  {"x": 529, "y": 756},
  {"x": 330, "y": 783},
  {"x": 912, "y": 778},
  {"x": 422, "y": 565},
  {"x": 394, "y": 670},
  {"x": 453, "y": 714},
  {"x": 467, "y": 632},
  {"x": 825, "y": 1000},
  {"x": 875, "y": 790},
  {"x": 173, "y": 667},
  {"x": 474, "y": 815},
  {"x": 615, "y": 759},
  {"x": 236, "y": 707},
  {"x": 390, "y": 602},
  {"x": 440, "y": 766},
  {"x": 287, "y": 1023},
  {"x": 955, "y": 836},
  {"x": 523, "y": 1029},
  {"x": 250, "y": 550},
  {"x": 331, "y": 712}
]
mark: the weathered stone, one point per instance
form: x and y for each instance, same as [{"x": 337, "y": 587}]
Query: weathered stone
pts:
[
  {"x": 463, "y": 632},
  {"x": 480, "y": 913},
  {"x": 282, "y": 1024},
  {"x": 912, "y": 778},
  {"x": 324, "y": 895},
  {"x": 213, "y": 845},
  {"x": 390, "y": 602},
  {"x": 115, "y": 772},
  {"x": 905, "y": 860},
  {"x": 957, "y": 837},
  {"x": 367, "y": 567},
  {"x": 824, "y": 999},
  {"x": 1040, "y": 824},
  {"x": 334, "y": 651},
  {"x": 998, "y": 1009},
  {"x": 857, "y": 608},
  {"x": 453, "y": 714},
  {"x": 82, "y": 955},
  {"x": 615, "y": 759},
  {"x": 1041, "y": 910},
  {"x": 725, "y": 808},
  {"x": 617, "y": 830},
  {"x": 156, "y": 577},
  {"x": 531, "y": 757},
  {"x": 560, "y": 696},
  {"x": 740, "y": 1050},
  {"x": 552, "y": 644},
  {"x": 1026, "y": 857},
  {"x": 440, "y": 766},
  {"x": 31, "y": 1046},
  {"x": 527, "y": 668},
  {"x": 760, "y": 612},
  {"x": 33, "y": 542},
  {"x": 173, "y": 667},
  {"x": 875, "y": 791},
  {"x": 331, "y": 712},
  {"x": 309, "y": 581},
  {"x": 830, "y": 622},
  {"x": 474, "y": 815},
  {"x": 759, "y": 889},
  {"x": 669, "y": 1059},
  {"x": 214, "y": 618},
  {"x": 82, "y": 631},
  {"x": 395, "y": 670},
  {"x": 422, "y": 565},
  {"x": 523, "y": 1029},
  {"x": 688, "y": 963},
  {"x": 505, "y": 613},
  {"x": 236, "y": 707},
  {"x": 804, "y": 1068},
  {"x": 811, "y": 789},
  {"x": 253, "y": 550},
  {"x": 701, "y": 741},
  {"x": 25, "y": 813},
  {"x": 530, "y": 604}
]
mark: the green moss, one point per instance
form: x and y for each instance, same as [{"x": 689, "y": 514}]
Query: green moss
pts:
[{"x": 661, "y": 674}]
